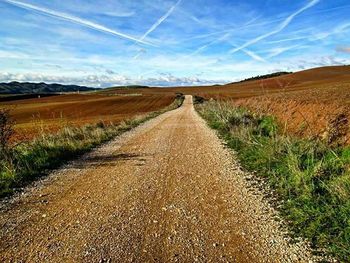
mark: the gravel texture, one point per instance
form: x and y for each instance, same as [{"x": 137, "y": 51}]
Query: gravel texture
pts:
[{"x": 168, "y": 191}]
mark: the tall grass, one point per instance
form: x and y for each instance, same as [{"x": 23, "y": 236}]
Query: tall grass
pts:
[
  {"x": 26, "y": 161},
  {"x": 311, "y": 178}
]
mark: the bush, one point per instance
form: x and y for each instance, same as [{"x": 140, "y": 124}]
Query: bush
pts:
[
  {"x": 6, "y": 151},
  {"x": 198, "y": 99},
  {"x": 6, "y": 132},
  {"x": 310, "y": 176}
]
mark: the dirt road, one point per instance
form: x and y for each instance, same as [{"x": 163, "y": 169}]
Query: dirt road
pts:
[{"x": 167, "y": 191}]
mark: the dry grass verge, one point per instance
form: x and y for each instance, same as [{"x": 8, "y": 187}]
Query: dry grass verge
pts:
[{"x": 310, "y": 176}]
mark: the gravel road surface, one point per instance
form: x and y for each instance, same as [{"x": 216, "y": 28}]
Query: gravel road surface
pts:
[{"x": 168, "y": 191}]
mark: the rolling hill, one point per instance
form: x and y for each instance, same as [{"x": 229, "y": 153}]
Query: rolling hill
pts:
[
  {"x": 311, "y": 79},
  {"x": 311, "y": 98},
  {"x": 307, "y": 103},
  {"x": 29, "y": 88}
]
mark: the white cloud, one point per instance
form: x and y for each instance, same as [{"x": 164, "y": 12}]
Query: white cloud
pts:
[{"x": 108, "y": 80}]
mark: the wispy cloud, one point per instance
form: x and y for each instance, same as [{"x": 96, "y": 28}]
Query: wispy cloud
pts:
[
  {"x": 74, "y": 19},
  {"x": 12, "y": 54},
  {"x": 160, "y": 21},
  {"x": 282, "y": 26}
]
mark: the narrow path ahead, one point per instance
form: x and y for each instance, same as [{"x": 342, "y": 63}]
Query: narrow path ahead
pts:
[{"x": 166, "y": 192}]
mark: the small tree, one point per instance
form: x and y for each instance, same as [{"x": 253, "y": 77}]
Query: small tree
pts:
[{"x": 6, "y": 132}]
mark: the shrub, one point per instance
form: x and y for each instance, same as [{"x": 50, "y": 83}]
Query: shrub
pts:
[
  {"x": 198, "y": 99},
  {"x": 6, "y": 151},
  {"x": 6, "y": 132}
]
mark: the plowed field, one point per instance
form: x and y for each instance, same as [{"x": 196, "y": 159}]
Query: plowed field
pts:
[{"x": 33, "y": 116}]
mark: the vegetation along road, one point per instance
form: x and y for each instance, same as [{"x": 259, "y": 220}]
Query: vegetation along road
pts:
[{"x": 167, "y": 191}]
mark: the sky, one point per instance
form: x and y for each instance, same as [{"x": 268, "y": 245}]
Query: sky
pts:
[{"x": 101, "y": 43}]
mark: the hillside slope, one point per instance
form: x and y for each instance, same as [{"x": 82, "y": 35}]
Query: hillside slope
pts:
[{"x": 317, "y": 78}]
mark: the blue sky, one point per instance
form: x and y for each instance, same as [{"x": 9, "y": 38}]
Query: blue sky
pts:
[{"x": 168, "y": 42}]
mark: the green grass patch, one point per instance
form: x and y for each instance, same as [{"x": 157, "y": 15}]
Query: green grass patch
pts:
[
  {"x": 311, "y": 178},
  {"x": 26, "y": 161}
]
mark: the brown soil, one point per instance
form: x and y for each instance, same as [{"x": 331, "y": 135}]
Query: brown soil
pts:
[
  {"x": 165, "y": 192},
  {"x": 33, "y": 116}
]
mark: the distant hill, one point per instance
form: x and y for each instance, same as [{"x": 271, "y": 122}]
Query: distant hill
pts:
[
  {"x": 28, "y": 88},
  {"x": 267, "y": 76},
  {"x": 315, "y": 78}
]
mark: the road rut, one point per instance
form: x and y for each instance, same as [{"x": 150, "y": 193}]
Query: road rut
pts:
[{"x": 168, "y": 191}]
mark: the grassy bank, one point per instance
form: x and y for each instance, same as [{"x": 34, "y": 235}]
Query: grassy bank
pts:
[
  {"x": 310, "y": 177},
  {"x": 24, "y": 162}
]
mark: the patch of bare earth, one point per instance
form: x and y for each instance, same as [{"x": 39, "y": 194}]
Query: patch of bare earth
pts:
[{"x": 167, "y": 191}]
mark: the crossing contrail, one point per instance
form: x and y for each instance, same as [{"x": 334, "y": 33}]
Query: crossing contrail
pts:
[
  {"x": 282, "y": 26},
  {"x": 159, "y": 21}
]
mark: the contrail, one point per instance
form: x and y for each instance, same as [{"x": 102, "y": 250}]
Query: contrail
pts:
[
  {"x": 282, "y": 26},
  {"x": 139, "y": 53},
  {"x": 337, "y": 30},
  {"x": 250, "y": 53},
  {"x": 75, "y": 20},
  {"x": 222, "y": 38},
  {"x": 159, "y": 21},
  {"x": 231, "y": 30},
  {"x": 279, "y": 51},
  {"x": 253, "y": 55},
  {"x": 288, "y": 39}
]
